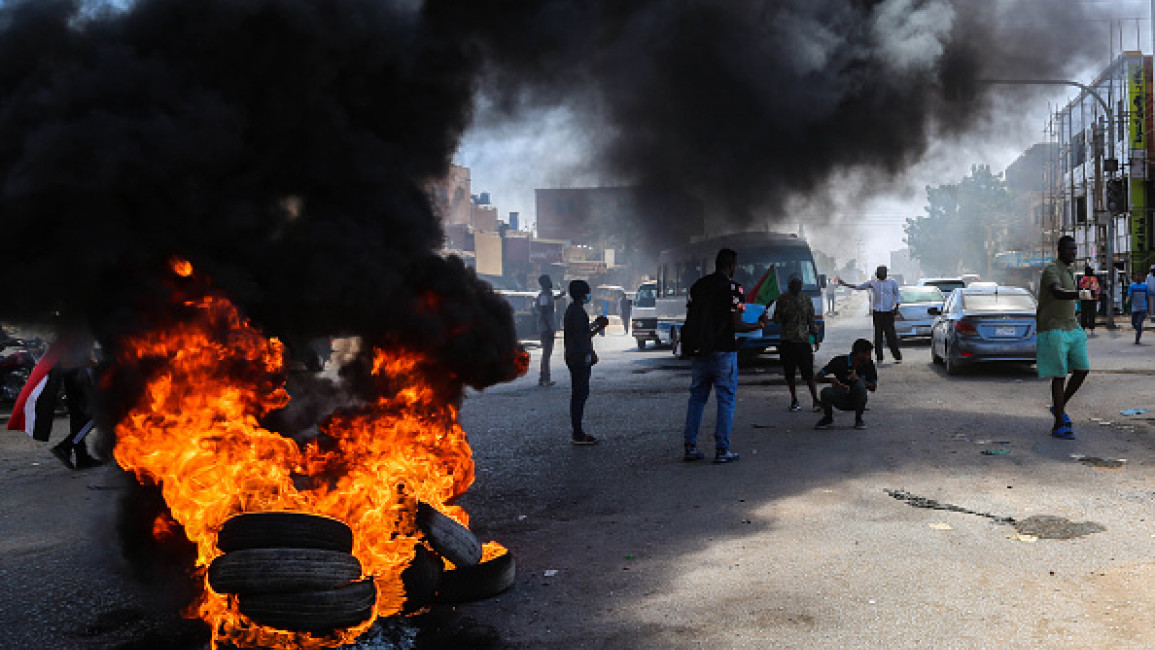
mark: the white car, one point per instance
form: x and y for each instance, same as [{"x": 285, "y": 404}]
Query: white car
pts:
[{"x": 913, "y": 319}]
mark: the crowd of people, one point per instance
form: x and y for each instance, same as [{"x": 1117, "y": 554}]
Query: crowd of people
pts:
[{"x": 714, "y": 318}]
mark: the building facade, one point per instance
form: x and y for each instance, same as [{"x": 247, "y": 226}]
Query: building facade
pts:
[{"x": 1096, "y": 145}]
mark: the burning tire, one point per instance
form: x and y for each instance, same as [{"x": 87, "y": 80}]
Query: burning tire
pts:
[
  {"x": 468, "y": 583},
  {"x": 272, "y": 570},
  {"x": 449, "y": 538},
  {"x": 312, "y": 611},
  {"x": 284, "y": 529},
  {"x": 421, "y": 579}
]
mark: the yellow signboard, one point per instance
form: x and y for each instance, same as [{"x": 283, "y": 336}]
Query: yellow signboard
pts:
[{"x": 1137, "y": 128}]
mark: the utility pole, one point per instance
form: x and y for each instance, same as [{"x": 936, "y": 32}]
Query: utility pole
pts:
[{"x": 1111, "y": 164}]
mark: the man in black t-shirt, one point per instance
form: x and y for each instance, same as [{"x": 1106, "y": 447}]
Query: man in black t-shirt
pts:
[
  {"x": 717, "y": 363},
  {"x": 851, "y": 376}
]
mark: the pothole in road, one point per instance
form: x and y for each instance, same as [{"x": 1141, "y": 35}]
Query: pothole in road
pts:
[{"x": 1040, "y": 526}]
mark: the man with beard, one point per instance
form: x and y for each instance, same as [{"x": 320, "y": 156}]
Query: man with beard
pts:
[
  {"x": 795, "y": 313},
  {"x": 884, "y": 300}
]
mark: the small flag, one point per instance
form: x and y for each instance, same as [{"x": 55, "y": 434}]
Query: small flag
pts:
[
  {"x": 765, "y": 291},
  {"x": 33, "y": 398}
]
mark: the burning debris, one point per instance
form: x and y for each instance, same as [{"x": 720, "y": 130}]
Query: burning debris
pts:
[{"x": 375, "y": 471}]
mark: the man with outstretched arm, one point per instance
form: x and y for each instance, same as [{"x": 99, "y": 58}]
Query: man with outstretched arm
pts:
[
  {"x": 1062, "y": 345},
  {"x": 884, "y": 301}
]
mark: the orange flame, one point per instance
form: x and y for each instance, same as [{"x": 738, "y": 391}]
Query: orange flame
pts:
[
  {"x": 196, "y": 433},
  {"x": 181, "y": 267}
]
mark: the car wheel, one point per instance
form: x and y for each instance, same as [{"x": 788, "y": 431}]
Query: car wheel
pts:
[
  {"x": 641, "y": 344},
  {"x": 934, "y": 358},
  {"x": 272, "y": 570},
  {"x": 952, "y": 366}
]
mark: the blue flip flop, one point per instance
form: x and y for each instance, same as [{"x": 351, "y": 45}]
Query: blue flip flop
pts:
[
  {"x": 1066, "y": 418},
  {"x": 1063, "y": 431}
]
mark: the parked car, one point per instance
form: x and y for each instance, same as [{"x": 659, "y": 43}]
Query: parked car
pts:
[
  {"x": 983, "y": 325},
  {"x": 945, "y": 285},
  {"x": 914, "y": 319}
]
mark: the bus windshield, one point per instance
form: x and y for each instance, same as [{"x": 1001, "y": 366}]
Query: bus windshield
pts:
[
  {"x": 647, "y": 296},
  {"x": 753, "y": 264}
]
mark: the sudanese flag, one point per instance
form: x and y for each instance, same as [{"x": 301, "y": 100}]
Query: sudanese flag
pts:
[{"x": 766, "y": 290}]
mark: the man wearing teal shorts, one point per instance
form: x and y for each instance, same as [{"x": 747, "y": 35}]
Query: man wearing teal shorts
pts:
[{"x": 1062, "y": 344}]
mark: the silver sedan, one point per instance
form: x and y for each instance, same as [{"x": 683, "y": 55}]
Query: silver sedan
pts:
[
  {"x": 987, "y": 324},
  {"x": 914, "y": 319}
]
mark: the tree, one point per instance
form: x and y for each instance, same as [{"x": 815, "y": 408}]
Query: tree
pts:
[{"x": 964, "y": 223}]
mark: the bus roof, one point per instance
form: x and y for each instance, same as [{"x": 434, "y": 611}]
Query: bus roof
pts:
[{"x": 737, "y": 241}]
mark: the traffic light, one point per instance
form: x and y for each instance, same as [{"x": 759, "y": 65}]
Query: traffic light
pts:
[{"x": 1116, "y": 196}]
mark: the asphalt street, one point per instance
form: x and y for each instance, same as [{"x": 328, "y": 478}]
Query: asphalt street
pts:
[{"x": 802, "y": 544}]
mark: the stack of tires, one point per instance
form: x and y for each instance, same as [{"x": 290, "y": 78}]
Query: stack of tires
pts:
[{"x": 293, "y": 571}]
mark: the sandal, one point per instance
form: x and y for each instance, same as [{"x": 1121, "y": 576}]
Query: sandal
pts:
[
  {"x": 1066, "y": 418},
  {"x": 1063, "y": 431}
]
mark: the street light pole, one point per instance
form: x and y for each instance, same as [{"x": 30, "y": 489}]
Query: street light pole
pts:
[{"x": 1111, "y": 169}]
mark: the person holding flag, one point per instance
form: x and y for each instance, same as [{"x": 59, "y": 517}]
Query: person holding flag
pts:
[
  {"x": 884, "y": 302},
  {"x": 713, "y": 317},
  {"x": 68, "y": 362}
]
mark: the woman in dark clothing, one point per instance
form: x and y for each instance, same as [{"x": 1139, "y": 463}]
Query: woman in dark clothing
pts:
[{"x": 580, "y": 355}]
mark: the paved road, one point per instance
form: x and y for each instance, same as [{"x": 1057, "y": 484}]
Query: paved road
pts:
[{"x": 797, "y": 546}]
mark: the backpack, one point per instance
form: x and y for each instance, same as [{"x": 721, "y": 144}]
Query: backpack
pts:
[{"x": 697, "y": 335}]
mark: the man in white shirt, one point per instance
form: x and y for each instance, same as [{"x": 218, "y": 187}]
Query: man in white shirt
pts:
[{"x": 884, "y": 301}]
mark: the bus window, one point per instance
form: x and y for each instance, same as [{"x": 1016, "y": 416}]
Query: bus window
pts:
[
  {"x": 750, "y": 273},
  {"x": 646, "y": 296}
]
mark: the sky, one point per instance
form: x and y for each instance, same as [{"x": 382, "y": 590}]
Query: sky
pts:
[{"x": 849, "y": 216}]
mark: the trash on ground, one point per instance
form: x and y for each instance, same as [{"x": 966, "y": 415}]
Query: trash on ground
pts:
[
  {"x": 1105, "y": 423},
  {"x": 1096, "y": 461},
  {"x": 996, "y": 452},
  {"x": 1133, "y": 411},
  {"x": 1030, "y": 539},
  {"x": 549, "y": 573},
  {"x": 941, "y": 526}
]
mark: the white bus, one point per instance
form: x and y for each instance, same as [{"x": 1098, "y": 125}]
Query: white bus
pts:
[{"x": 758, "y": 252}]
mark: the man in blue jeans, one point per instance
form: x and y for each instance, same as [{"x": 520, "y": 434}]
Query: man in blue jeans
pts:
[{"x": 716, "y": 363}]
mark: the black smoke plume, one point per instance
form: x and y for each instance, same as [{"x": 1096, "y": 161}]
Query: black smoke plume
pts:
[
  {"x": 279, "y": 145},
  {"x": 749, "y": 103}
]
